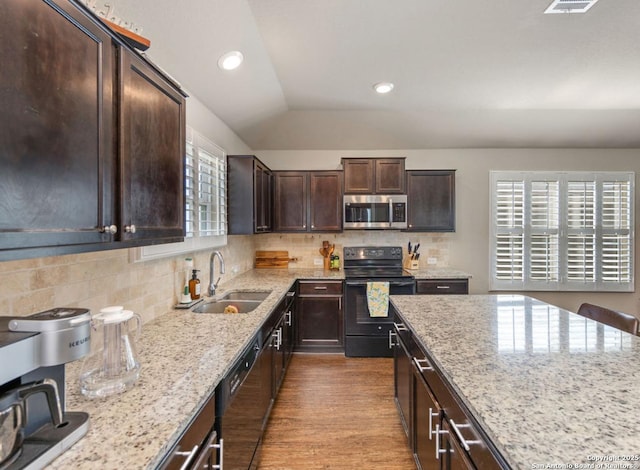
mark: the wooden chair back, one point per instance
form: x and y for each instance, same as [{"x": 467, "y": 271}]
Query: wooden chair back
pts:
[{"x": 620, "y": 320}]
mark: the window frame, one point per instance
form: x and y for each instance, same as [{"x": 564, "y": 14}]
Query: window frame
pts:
[{"x": 598, "y": 232}]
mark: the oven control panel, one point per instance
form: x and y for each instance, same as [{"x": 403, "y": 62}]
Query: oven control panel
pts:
[{"x": 372, "y": 252}]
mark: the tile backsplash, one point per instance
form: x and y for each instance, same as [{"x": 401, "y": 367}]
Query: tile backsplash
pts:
[{"x": 151, "y": 288}]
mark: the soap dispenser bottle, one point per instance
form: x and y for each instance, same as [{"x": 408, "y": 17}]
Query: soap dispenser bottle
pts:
[{"x": 194, "y": 285}]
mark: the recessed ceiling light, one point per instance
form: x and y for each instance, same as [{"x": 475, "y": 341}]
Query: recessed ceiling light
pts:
[
  {"x": 383, "y": 87},
  {"x": 230, "y": 60}
]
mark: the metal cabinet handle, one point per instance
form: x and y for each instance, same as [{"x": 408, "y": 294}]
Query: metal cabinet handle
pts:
[
  {"x": 278, "y": 336},
  {"x": 431, "y": 416},
  {"x": 320, "y": 287},
  {"x": 221, "y": 447},
  {"x": 190, "y": 455},
  {"x": 392, "y": 335},
  {"x": 112, "y": 229},
  {"x": 438, "y": 449},
  {"x": 419, "y": 366},
  {"x": 130, "y": 228},
  {"x": 463, "y": 441},
  {"x": 443, "y": 287},
  {"x": 288, "y": 318},
  {"x": 400, "y": 326}
]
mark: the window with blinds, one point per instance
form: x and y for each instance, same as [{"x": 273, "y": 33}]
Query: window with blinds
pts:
[
  {"x": 562, "y": 231},
  {"x": 205, "y": 179}
]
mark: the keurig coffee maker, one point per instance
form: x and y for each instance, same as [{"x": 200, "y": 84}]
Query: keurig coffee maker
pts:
[{"x": 34, "y": 427}]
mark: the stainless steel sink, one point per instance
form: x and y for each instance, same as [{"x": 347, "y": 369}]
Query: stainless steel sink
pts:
[
  {"x": 244, "y": 301},
  {"x": 218, "y": 306},
  {"x": 246, "y": 295}
]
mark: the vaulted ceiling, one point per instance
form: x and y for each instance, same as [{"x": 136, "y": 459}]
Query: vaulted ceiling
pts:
[{"x": 467, "y": 74}]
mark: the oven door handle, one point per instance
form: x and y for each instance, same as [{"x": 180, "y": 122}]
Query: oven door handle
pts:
[{"x": 391, "y": 283}]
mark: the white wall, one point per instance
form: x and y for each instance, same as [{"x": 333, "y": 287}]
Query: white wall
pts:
[{"x": 469, "y": 245}]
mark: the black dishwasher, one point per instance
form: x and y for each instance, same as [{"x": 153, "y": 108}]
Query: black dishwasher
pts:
[{"x": 240, "y": 410}]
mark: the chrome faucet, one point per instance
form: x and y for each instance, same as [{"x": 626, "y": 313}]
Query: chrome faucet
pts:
[{"x": 212, "y": 285}]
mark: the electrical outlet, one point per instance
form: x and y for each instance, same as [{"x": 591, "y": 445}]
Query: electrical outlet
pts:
[
  {"x": 432, "y": 260},
  {"x": 317, "y": 261}
]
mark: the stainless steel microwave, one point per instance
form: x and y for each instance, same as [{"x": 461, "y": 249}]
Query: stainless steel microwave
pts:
[{"x": 375, "y": 211}]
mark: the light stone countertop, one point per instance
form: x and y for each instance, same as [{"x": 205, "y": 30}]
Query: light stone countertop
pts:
[
  {"x": 547, "y": 385},
  {"x": 184, "y": 356},
  {"x": 438, "y": 273}
]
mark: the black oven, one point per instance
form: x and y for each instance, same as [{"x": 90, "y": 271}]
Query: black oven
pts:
[{"x": 366, "y": 335}]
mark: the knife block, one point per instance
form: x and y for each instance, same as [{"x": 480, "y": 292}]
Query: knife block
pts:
[{"x": 410, "y": 264}]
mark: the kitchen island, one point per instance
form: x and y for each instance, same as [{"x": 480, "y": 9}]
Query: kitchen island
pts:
[{"x": 548, "y": 387}]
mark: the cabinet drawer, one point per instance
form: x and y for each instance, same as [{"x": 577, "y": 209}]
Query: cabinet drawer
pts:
[
  {"x": 320, "y": 288},
  {"x": 442, "y": 286}
]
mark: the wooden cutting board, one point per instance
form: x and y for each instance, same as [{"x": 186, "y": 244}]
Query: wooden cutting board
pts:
[{"x": 272, "y": 259}]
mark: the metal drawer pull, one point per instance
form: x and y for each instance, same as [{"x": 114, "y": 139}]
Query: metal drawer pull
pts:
[
  {"x": 443, "y": 287},
  {"x": 418, "y": 364},
  {"x": 392, "y": 343},
  {"x": 190, "y": 456},
  {"x": 438, "y": 449},
  {"x": 400, "y": 326},
  {"x": 464, "y": 442},
  {"x": 287, "y": 318},
  {"x": 431, "y": 416},
  {"x": 221, "y": 447},
  {"x": 320, "y": 287},
  {"x": 278, "y": 335}
]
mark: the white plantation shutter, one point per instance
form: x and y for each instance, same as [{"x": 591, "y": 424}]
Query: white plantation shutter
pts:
[
  {"x": 562, "y": 231},
  {"x": 509, "y": 218}
]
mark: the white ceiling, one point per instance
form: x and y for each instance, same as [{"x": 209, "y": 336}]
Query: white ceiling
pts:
[{"x": 492, "y": 73}]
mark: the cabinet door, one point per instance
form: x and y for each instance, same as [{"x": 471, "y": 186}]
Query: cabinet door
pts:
[
  {"x": 152, "y": 140},
  {"x": 427, "y": 413},
  {"x": 56, "y": 128},
  {"x": 325, "y": 201},
  {"x": 263, "y": 185},
  {"x": 403, "y": 377},
  {"x": 290, "y": 201},
  {"x": 431, "y": 200},
  {"x": 319, "y": 324},
  {"x": 390, "y": 176},
  {"x": 358, "y": 175},
  {"x": 454, "y": 457}
]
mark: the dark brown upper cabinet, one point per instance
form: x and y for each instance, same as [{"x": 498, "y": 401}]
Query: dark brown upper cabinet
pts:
[
  {"x": 307, "y": 201},
  {"x": 62, "y": 189},
  {"x": 431, "y": 200},
  {"x": 374, "y": 175},
  {"x": 249, "y": 195},
  {"x": 152, "y": 140}
]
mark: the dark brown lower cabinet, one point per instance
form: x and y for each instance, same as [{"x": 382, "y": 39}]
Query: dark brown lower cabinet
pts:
[
  {"x": 442, "y": 432},
  {"x": 319, "y": 317},
  {"x": 442, "y": 286},
  {"x": 426, "y": 416}
]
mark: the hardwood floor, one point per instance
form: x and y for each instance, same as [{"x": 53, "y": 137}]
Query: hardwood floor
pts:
[{"x": 335, "y": 412}]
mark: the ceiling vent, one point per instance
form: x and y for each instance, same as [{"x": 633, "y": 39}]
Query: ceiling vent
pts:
[{"x": 570, "y": 6}]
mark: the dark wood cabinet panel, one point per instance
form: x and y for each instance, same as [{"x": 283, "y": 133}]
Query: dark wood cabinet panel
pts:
[
  {"x": 325, "y": 201},
  {"x": 390, "y": 176},
  {"x": 92, "y": 137},
  {"x": 442, "y": 286},
  {"x": 249, "y": 195},
  {"x": 431, "y": 200},
  {"x": 374, "y": 175},
  {"x": 152, "y": 153},
  {"x": 58, "y": 155},
  {"x": 291, "y": 201},
  {"x": 307, "y": 201},
  {"x": 358, "y": 175},
  {"x": 319, "y": 318}
]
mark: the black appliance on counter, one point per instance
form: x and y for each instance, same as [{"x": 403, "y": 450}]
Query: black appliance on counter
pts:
[
  {"x": 35, "y": 429},
  {"x": 367, "y": 336}
]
